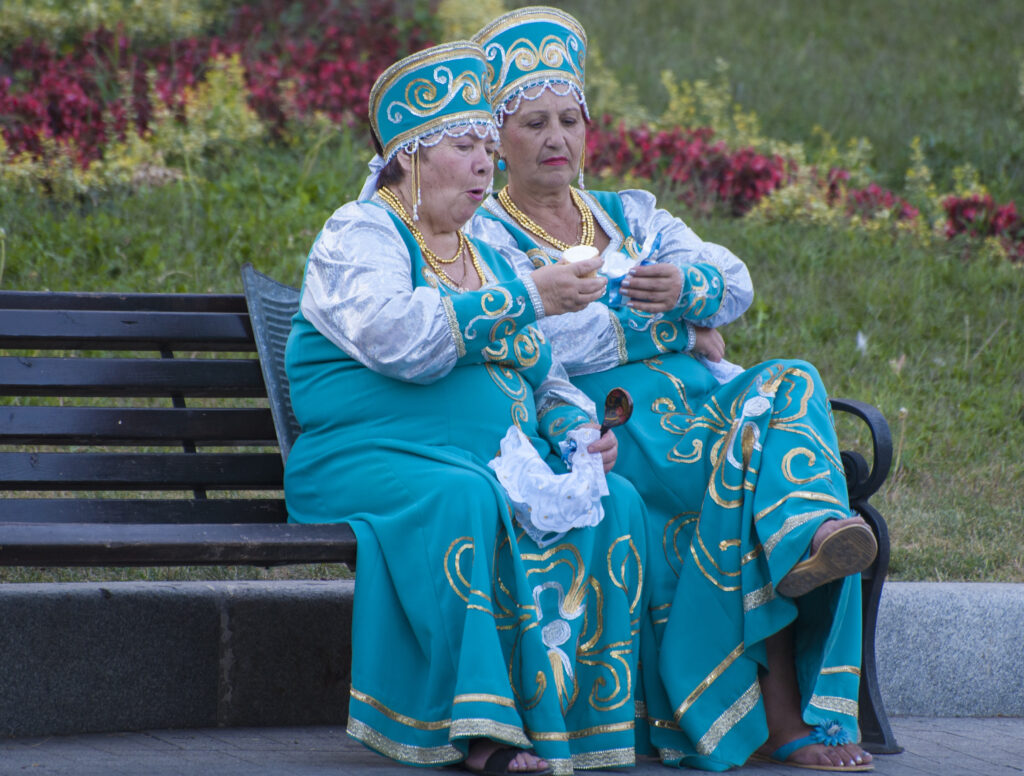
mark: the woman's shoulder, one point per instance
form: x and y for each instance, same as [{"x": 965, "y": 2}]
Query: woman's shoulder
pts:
[{"x": 363, "y": 219}]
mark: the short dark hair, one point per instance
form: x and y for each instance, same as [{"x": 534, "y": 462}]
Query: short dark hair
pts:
[{"x": 392, "y": 172}]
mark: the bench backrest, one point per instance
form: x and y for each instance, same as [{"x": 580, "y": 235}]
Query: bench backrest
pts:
[
  {"x": 134, "y": 408},
  {"x": 271, "y": 307}
]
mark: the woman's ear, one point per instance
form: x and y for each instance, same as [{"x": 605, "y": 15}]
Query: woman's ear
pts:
[{"x": 404, "y": 159}]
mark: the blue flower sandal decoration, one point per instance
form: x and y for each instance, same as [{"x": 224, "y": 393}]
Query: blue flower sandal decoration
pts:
[{"x": 829, "y": 733}]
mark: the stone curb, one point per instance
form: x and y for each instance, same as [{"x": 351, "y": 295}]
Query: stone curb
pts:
[{"x": 97, "y": 657}]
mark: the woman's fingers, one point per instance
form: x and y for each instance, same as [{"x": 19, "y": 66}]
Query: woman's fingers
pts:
[
  {"x": 608, "y": 447},
  {"x": 653, "y": 288},
  {"x": 564, "y": 288}
]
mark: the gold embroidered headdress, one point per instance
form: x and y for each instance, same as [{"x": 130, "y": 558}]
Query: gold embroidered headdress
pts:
[
  {"x": 436, "y": 92},
  {"x": 533, "y": 46}
]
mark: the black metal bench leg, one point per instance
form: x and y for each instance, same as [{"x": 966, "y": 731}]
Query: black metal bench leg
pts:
[{"x": 876, "y": 734}]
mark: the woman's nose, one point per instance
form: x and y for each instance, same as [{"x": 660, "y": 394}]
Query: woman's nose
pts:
[{"x": 483, "y": 162}]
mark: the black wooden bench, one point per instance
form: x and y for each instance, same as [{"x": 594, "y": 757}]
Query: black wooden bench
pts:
[
  {"x": 132, "y": 434},
  {"x": 169, "y": 382}
]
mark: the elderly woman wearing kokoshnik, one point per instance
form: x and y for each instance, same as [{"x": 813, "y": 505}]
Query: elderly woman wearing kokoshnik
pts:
[
  {"x": 413, "y": 353},
  {"x": 752, "y": 644}
]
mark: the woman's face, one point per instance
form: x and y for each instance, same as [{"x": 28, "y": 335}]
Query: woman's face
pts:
[
  {"x": 543, "y": 141},
  {"x": 454, "y": 177}
]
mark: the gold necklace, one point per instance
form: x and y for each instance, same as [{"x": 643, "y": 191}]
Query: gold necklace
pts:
[
  {"x": 587, "y": 226},
  {"x": 392, "y": 199},
  {"x": 435, "y": 262}
]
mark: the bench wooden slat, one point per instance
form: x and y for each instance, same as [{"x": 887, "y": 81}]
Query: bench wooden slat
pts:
[
  {"x": 140, "y": 471},
  {"x": 128, "y": 330},
  {"x": 142, "y": 510},
  {"x": 136, "y": 425},
  {"x": 77, "y": 544},
  {"x": 32, "y": 376},
  {"x": 103, "y": 300}
]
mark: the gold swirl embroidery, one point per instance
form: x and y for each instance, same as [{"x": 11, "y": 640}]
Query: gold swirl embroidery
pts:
[
  {"x": 503, "y": 327},
  {"x": 453, "y": 561},
  {"x": 673, "y": 528},
  {"x": 526, "y": 56},
  {"x": 423, "y": 98},
  {"x": 787, "y": 466},
  {"x": 664, "y": 333},
  {"x": 620, "y": 581},
  {"x": 526, "y": 348}
]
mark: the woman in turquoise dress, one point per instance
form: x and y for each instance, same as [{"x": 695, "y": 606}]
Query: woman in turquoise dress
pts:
[
  {"x": 414, "y": 351},
  {"x": 752, "y": 641}
]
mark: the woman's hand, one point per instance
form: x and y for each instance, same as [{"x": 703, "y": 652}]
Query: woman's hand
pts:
[
  {"x": 709, "y": 343},
  {"x": 653, "y": 288},
  {"x": 563, "y": 287},
  {"x": 607, "y": 446}
]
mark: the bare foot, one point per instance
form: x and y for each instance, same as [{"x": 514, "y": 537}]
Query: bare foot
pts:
[{"x": 524, "y": 760}]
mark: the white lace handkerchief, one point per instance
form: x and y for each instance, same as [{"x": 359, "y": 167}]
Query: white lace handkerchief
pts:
[{"x": 548, "y": 505}]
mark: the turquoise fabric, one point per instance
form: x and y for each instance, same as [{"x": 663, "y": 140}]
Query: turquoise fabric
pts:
[
  {"x": 463, "y": 627},
  {"x": 736, "y": 479}
]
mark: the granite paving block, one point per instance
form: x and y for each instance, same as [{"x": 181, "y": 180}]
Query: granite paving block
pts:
[
  {"x": 951, "y": 649},
  {"x": 87, "y": 657}
]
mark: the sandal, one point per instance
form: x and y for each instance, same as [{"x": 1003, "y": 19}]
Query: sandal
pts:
[
  {"x": 829, "y": 734},
  {"x": 847, "y": 550},
  {"x": 497, "y": 764}
]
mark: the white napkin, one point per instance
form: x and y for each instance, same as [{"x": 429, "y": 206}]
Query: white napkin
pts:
[{"x": 548, "y": 505}]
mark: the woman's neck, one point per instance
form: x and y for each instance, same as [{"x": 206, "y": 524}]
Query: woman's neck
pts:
[
  {"x": 437, "y": 238},
  {"x": 547, "y": 206}
]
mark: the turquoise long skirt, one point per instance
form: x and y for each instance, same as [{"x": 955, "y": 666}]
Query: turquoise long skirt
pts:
[
  {"x": 736, "y": 479},
  {"x": 463, "y": 627}
]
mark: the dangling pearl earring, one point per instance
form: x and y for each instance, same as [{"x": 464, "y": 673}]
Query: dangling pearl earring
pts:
[
  {"x": 416, "y": 183},
  {"x": 583, "y": 157}
]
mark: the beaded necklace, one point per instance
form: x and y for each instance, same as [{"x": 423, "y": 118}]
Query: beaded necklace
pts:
[
  {"x": 587, "y": 227},
  {"x": 435, "y": 262}
]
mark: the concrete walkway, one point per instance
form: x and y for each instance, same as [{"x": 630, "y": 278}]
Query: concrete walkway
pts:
[{"x": 935, "y": 746}]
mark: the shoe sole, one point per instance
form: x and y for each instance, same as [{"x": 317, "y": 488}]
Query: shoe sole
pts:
[{"x": 847, "y": 550}]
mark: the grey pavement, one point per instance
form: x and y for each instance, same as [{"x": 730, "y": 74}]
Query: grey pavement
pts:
[{"x": 935, "y": 746}]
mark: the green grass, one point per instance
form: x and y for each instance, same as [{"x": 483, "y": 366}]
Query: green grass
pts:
[{"x": 948, "y": 71}]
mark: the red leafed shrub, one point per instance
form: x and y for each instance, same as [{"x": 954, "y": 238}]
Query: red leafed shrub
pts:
[
  {"x": 300, "y": 58},
  {"x": 867, "y": 202},
  {"x": 978, "y": 215},
  {"x": 703, "y": 171}
]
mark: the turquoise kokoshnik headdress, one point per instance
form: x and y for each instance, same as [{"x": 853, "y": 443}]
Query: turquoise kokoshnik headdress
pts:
[
  {"x": 434, "y": 93},
  {"x": 438, "y": 91},
  {"x": 533, "y": 46}
]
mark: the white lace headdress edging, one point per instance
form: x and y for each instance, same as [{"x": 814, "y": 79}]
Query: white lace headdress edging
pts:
[
  {"x": 558, "y": 86},
  {"x": 485, "y": 130}
]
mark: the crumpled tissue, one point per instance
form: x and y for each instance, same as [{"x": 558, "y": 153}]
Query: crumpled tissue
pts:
[
  {"x": 549, "y": 505},
  {"x": 617, "y": 265}
]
